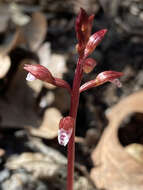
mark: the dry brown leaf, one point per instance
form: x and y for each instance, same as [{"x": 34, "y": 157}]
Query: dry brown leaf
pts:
[
  {"x": 50, "y": 124},
  {"x": 31, "y": 34},
  {"x": 56, "y": 63},
  {"x": 47, "y": 100},
  {"x": 4, "y": 17},
  {"x": 136, "y": 151},
  {"x": 17, "y": 108},
  {"x": 38, "y": 164},
  {"x": 35, "y": 31},
  {"x": 11, "y": 42},
  {"x": 44, "y": 53},
  {"x": 17, "y": 15},
  {"x": 5, "y": 64},
  {"x": 91, "y": 6},
  {"x": 117, "y": 167},
  {"x": 57, "y": 67},
  {"x": 40, "y": 146},
  {"x": 61, "y": 96},
  {"x": 2, "y": 152},
  {"x": 35, "y": 85},
  {"x": 11, "y": 39},
  {"x": 51, "y": 167}
]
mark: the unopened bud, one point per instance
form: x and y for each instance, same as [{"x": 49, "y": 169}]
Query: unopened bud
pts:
[
  {"x": 83, "y": 29},
  {"x": 65, "y": 130},
  {"x": 39, "y": 72},
  {"x": 106, "y": 76},
  {"x": 89, "y": 65},
  {"x": 110, "y": 76},
  {"x": 93, "y": 41}
]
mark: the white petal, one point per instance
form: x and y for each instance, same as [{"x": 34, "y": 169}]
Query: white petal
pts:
[
  {"x": 64, "y": 136},
  {"x": 117, "y": 83},
  {"x": 30, "y": 77}
]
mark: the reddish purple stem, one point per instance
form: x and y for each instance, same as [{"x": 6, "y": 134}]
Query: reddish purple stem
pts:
[{"x": 73, "y": 113}]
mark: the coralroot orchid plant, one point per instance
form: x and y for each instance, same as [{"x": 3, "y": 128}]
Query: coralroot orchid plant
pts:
[{"x": 86, "y": 45}]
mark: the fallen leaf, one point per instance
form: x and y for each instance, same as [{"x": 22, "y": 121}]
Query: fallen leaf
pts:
[
  {"x": 61, "y": 96},
  {"x": 4, "y": 17},
  {"x": 51, "y": 167},
  {"x": 118, "y": 167},
  {"x": 91, "y": 6},
  {"x": 57, "y": 67},
  {"x": 35, "y": 31},
  {"x": 136, "y": 151},
  {"x": 17, "y": 106},
  {"x": 11, "y": 41},
  {"x": 5, "y": 64},
  {"x": 50, "y": 124},
  {"x": 40, "y": 165},
  {"x": 17, "y": 15},
  {"x": 44, "y": 53},
  {"x": 2, "y": 152},
  {"x": 56, "y": 63},
  {"x": 47, "y": 100},
  {"x": 31, "y": 34},
  {"x": 18, "y": 180}
]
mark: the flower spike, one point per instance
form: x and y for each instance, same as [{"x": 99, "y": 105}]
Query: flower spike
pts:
[
  {"x": 106, "y": 76},
  {"x": 65, "y": 130},
  {"x": 85, "y": 46}
]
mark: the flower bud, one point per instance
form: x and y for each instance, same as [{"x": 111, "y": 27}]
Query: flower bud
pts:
[
  {"x": 39, "y": 72},
  {"x": 106, "y": 76},
  {"x": 65, "y": 130},
  {"x": 42, "y": 73},
  {"x": 89, "y": 27},
  {"x": 89, "y": 65},
  {"x": 83, "y": 29},
  {"x": 82, "y": 16},
  {"x": 93, "y": 41}
]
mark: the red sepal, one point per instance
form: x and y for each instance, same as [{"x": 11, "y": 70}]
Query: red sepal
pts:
[
  {"x": 106, "y": 76},
  {"x": 93, "y": 41},
  {"x": 42, "y": 73}
]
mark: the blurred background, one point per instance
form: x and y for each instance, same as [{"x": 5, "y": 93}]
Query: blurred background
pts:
[{"x": 43, "y": 32}]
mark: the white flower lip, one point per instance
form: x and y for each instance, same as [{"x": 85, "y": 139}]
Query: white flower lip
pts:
[
  {"x": 30, "y": 77},
  {"x": 117, "y": 83},
  {"x": 64, "y": 136}
]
